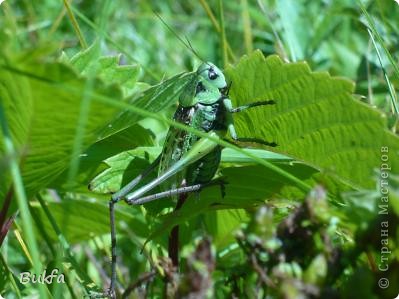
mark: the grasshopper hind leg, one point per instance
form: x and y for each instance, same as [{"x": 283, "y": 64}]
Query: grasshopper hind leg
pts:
[
  {"x": 111, "y": 290},
  {"x": 111, "y": 205},
  {"x": 178, "y": 191}
]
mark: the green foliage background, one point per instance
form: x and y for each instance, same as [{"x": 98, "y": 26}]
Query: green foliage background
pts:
[{"x": 87, "y": 91}]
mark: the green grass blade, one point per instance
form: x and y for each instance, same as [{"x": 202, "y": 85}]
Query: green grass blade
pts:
[
  {"x": 223, "y": 40},
  {"x": 80, "y": 131},
  {"x": 75, "y": 25},
  {"x": 247, "y": 26},
  {"x": 216, "y": 25},
  {"x": 39, "y": 224},
  {"x": 289, "y": 19},
  {"x": 87, "y": 283},
  {"x": 379, "y": 38},
  {"x": 22, "y": 201},
  {"x": 10, "y": 276},
  {"x": 390, "y": 87}
]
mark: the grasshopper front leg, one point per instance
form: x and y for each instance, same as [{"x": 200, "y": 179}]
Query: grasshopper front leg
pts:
[{"x": 230, "y": 121}]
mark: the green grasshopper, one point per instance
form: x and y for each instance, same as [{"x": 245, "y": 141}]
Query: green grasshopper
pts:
[{"x": 187, "y": 162}]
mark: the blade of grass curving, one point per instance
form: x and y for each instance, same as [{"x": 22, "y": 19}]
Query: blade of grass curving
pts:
[
  {"x": 223, "y": 40},
  {"x": 54, "y": 253},
  {"x": 369, "y": 82},
  {"x": 25, "y": 249},
  {"x": 216, "y": 25},
  {"x": 22, "y": 201},
  {"x": 373, "y": 29},
  {"x": 88, "y": 284},
  {"x": 208, "y": 11},
  {"x": 10, "y": 277},
  {"x": 75, "y": 25},
  {"x": 56, "y": 24},
  {"x": 80, "y": 130},
  {"x": 289, "y": 15},
  {"x": 6, "y": 227},
  {"x": 390, "y": 87},
  {"x": 281, "y": 48},
  {"x": 18, "y": 236},
  {"x": 246, "y": 20},
  {"x": 104, "y": 16},
  {"x": 3, "y": 215}
]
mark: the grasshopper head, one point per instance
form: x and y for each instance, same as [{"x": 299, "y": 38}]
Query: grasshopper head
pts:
[
  {"x": 208, "y": 88},
  {"x": 212, "y": 74}
]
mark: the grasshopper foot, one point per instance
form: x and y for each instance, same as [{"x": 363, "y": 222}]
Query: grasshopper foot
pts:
[{"x": 110, "y": 294}]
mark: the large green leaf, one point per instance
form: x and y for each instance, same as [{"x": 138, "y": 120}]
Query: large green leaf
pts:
[
  {"x": 42, "y": 103},
  {"x": 315, "y": 119}
]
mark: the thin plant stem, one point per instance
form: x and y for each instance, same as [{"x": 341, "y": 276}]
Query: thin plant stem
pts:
[{"x": 75, "y": 25}]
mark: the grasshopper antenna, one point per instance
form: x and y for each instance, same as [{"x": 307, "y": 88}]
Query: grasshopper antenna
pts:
[
  {"x": 186, "y": 42},
  {"x": 195, "y": 53},
  {"x": 190, "y": 46}
]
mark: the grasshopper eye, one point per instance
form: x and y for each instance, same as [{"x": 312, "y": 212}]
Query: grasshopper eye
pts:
[{"x": 212, "y": 74}]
